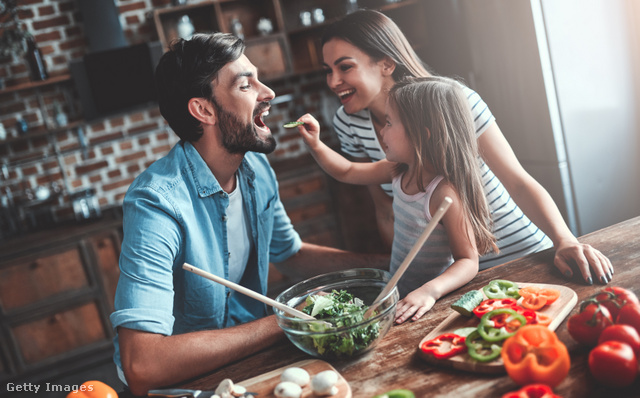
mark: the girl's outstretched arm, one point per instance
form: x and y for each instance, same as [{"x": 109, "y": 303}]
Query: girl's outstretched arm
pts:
[
  {"x": 465, "y": 255},
  {"x": 337, "y": 165}
]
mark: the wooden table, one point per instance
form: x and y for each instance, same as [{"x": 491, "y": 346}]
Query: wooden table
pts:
[{"x": 395, "y": 363}]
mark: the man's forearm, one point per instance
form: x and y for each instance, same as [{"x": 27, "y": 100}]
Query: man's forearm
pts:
[{"x": 152, "y": 360}]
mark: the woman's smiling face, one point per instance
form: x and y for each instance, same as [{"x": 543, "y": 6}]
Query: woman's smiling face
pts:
[{"x": 352, "y": 75}]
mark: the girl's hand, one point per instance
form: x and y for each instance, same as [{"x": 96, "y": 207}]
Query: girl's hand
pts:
[
  {"x": 310, "y": 130},
  {"x": 417, "y": 303}
]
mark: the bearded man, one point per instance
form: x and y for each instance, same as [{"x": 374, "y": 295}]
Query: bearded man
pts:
[{"x": 211, "y": 202}]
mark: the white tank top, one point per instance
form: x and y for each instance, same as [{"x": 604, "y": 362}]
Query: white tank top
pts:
[{"x": 411, "y": 217}]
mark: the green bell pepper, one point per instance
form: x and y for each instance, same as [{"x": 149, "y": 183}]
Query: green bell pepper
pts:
[
  {"x": 497, "y": 325},
  {"x": 480, "y": 349},
  {"x": 500, "y": 288}
]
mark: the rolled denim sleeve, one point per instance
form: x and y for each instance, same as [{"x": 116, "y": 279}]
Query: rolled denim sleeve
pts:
[
  {"x": 144, "y": 296},
  {"x": 285, "y": 241}
]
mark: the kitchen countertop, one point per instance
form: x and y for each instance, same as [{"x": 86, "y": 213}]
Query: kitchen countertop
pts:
[{"x": 395, "y": 363}]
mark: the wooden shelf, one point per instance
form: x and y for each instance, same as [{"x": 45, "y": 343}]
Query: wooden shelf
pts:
[
  {"x": 42, "y": 131},
  {"x": 291, "y": 49},
  {"x": 30, "y": 85}
]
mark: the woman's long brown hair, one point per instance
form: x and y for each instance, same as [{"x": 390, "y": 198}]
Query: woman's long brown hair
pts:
[
  {"x": 439, "y": 105},
  {"x": 378, "y": 36}
]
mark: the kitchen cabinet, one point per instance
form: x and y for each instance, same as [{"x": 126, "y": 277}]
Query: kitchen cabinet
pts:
[
  {"x": 55, "y": 301},
  {"x": 292, "y": 47}
]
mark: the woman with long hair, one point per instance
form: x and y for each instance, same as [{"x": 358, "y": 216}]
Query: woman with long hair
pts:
[{"x": 364, "y": 55}]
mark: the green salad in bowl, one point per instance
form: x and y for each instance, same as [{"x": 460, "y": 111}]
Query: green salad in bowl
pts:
[{"x": 339, "y": 301}]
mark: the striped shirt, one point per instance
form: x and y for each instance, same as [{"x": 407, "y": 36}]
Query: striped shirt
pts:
[
  {"x": 412, "y": 214},
  {"x": 516, "y": 234}
]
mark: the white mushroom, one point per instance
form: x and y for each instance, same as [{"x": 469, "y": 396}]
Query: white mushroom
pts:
[
  {"x": 296, "y": 375},
  {"x": 324, "y": 383},
  {"x": 225, "y": 388},
  {"x": 238, "y": 390},
  {"x": 287, "y": 389}
]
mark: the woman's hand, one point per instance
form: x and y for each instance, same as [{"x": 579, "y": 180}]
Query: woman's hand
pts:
[
  {"x": 309, "y": 131},
  {"x": 417, "y": 303},
  {"x": 583, "y": 255}
]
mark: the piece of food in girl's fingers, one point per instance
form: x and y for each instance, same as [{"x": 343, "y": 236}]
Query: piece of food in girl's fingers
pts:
[{"x": 291, "y": 125}]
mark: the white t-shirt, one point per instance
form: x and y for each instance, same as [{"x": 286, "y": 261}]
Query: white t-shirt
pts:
[{"x": 239, "y": 234}]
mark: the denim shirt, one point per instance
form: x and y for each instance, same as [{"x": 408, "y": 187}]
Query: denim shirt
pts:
[{"x": 175, "y": 212}]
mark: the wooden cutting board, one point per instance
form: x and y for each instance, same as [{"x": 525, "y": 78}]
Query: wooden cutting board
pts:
[
  {"x": 558, "y": 311},
  {"x": 266, "y": 383}
]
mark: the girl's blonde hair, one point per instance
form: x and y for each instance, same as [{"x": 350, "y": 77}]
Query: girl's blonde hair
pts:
[{"x": 436, "y": 117}]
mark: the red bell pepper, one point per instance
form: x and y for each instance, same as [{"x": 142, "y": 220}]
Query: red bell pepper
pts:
[
  {"x": 532, "y": 391},
  {"x": 444, "y": 346},
  {"x": 493, "y": 304}
]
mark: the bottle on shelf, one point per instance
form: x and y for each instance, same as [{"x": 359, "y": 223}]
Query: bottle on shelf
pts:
[
  {"x": 185, "y": 27},
  {"x": 37, "y": 65},
  {"x": 59, "y": 115}
]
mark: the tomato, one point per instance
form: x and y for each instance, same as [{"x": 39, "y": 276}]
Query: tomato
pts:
[
  {"x": 624, "y": 334},
  {"x": 585, "y": 327},
  {"x": 630, "y": 315},
  {"x": 93, "y": 389},
  {"x": 614, "y": 298},
  {"x": 613, "y": 363}
]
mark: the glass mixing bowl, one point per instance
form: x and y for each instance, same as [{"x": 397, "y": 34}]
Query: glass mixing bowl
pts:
[{"x": 322, "y": 338}]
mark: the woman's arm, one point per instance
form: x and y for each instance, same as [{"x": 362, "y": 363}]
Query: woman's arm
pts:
[
  {"x": 464, "y": 268},
  {"x": 538, "y": 205},
  {"x": 338, "y": 166}
]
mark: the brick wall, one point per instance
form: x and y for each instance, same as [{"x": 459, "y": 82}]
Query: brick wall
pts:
[{"x": 120, "y": 147}]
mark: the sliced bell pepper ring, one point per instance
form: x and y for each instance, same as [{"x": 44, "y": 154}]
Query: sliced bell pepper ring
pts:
[
  {"x": 493, "y": 304},
  {"x": 550, "y": 295},
  {"x": 532, "y": 391},
  {"x": 543, "y": 319},
  {"x": 480, "y": 349},
  {"x": 533, "y": 302},
  {"x": 500, "y": 324},
  {"x": 535, "y": 355},
  {"x": 444, "y": 346},
  {"x": 500, "y": 288},
  {"x": 530, "y": 315}
]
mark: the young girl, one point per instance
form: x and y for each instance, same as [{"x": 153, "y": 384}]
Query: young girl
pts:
[{"x": 431, "y": 153}]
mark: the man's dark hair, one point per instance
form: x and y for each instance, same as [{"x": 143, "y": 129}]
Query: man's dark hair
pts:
[{"x": 186, "y": 71}]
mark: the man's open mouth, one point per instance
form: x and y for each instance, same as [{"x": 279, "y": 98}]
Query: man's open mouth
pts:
[{"x": 257, "y": 119}]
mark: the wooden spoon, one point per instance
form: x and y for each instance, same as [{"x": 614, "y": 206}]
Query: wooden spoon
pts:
[{"x": 248, "y": 292}]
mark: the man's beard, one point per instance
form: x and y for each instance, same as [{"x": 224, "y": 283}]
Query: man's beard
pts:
[{"x": 239, "y": 137}]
